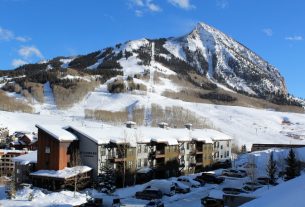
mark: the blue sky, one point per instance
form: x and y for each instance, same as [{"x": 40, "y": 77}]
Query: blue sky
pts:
[{"x": 31, "y": 30}]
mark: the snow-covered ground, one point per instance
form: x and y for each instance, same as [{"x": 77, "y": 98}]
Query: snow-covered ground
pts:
[
  {"x": 288, "y": 192},
  {"x": 42, "y": 198},
  {"x": 245, "y": 125}
]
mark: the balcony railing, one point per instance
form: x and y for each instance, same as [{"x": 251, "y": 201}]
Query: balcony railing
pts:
[{"x": 160, "y": 153}]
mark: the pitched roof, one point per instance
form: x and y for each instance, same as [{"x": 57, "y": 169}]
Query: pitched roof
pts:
[{"x": 57, "y": 132}]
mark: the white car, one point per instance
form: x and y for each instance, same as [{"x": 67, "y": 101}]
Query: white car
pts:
[
  {"x": 189, "y": 182},
  {"x": 233, "y": 173},
  {"x": 165, "y": 186}
]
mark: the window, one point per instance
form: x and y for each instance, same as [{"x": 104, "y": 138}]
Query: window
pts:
[
  {"x": 221, "y": 147},
  {"x": 145, "y": 149},
  {"x": 228, "y": 153},
  {"x": 47, "y": 150},
  {"x": 139, "y": 148},
  {"x": 103, "y": 152},
  {"x": 220, "y": 156},
  {"x": 130, "y": 151},
  {"x": 188, "y": 146},
  {"x": 217, "y": 144},
  {"x": 228, "y": 143},
  {"x": 145, "y": 162},
  {"x": 129, "y": 164},
  {"x": 139, "y": 162}
]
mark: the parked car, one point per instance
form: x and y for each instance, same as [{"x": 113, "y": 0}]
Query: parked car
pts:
[
  {"x": 155, "y": 203},
  {"x": 199, "y": 180},
  {"x": 243, "y": 172},
  {"x": 165, "y": 186},
  {"x": 251, "y": 186},
  {"x": 189, "y": 182},
  {"x": 211, "y": 178},
  {"x": 93, "y": 202},
  {"x": 149, "y": 194},
  {"x": 265, "y": 181},
  {"x": 233, "y": 191},
  {"x": 232, "y": 173},
  {"x": 116, "y": 202},
  {"x": 181, "y": 188},
  {"x": 212, "y": 202},
  {"x": 222, "y": 164}
]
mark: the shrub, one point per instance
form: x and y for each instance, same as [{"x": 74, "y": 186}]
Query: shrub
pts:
[
  {"x": 176, "y": 116},
  {"x": 67, "y": 93},
  {"x": 118, "y": 117},
  {"x": 218, "y": 97},
  {"x": 116, "y": 86},
  {"x": 11, "y": 104}
]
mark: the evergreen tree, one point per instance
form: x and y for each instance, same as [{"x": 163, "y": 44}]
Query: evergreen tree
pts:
[
  {"x": 271, "y": 168},
  {"x": 293, "y": 165},
  {"x": 106, "y": 179},
  {"x": 243, "y": 149}
]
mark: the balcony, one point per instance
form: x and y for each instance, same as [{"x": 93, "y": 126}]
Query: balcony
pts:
[
  {"x": 116, "y": 158},
  {"x": 160, "y": 154},
  {"x": 199, "y": 150},
  {"x": 199, "y": 162},
  {"x": 192, "y": 151}
]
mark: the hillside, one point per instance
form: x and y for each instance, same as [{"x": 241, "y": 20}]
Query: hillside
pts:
[
  {"x": 205, "y": 78},
  {"x": 213, "y": 67}
]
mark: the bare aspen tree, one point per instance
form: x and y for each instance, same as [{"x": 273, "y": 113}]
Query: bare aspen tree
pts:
[{"x": 252, "y": 167}]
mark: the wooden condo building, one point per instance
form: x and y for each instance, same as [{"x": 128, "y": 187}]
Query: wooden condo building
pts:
[{"x": 162, "y": 152}]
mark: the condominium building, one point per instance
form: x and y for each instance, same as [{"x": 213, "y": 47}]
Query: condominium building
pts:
[{"x": 129, "y": 149}]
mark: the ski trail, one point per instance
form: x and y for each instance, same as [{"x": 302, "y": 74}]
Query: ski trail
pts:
[
  {"x": 150, "y": 89},
  {"x": 49, "y": 101}
]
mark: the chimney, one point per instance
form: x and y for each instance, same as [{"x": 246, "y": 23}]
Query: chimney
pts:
[
  {"x": 188, "y": 126},
  {"x": 130, "y": 124},
  {"x": 163, "y": 125}
]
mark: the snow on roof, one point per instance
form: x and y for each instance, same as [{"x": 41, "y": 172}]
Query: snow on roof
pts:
[
  {"x": 5, "y": 151},
  {"x": 132, "y": 136},
  {"x": 31, "y": 157},
  {"x": 290, "y": 193},
  {"x": 32, "y": 137},
  {"x": 65, "y": 173},
  {"x": 57, "y": 132},
  {"x": 216, "y": 135},
  {"x": 163, "y": 124},
  {"x": 130, "y": 122}
]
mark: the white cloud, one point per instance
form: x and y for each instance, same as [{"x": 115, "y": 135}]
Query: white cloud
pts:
[
  {"x": 153, "y": 7},
  {"x": 29, "y": 51},
  {"x": 142, "y": 6},
  {"x": 23, "y": 39},
  {"x": 222, "y": 3},
  {"x": 183, "y": 4},
  {"x": 138, "y": 2},
  {"x": 294, "y": 38},
  {"x": 268, "y": 32},
  {"x": 139, "y": 13},
  {"x": 8, "y": 35},
  {"x": 18, "y": 62}
]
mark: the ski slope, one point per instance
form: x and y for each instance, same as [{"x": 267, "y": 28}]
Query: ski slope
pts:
[{"x": 245, "y": 125}]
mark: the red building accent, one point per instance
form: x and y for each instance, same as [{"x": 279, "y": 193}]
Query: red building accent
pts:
[{"x": 53, "y": 152}]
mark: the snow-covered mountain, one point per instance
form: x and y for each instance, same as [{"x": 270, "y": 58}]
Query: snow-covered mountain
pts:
[
  {"x": 225, "y": 60},
  {"x": 206, "y": 50}
]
